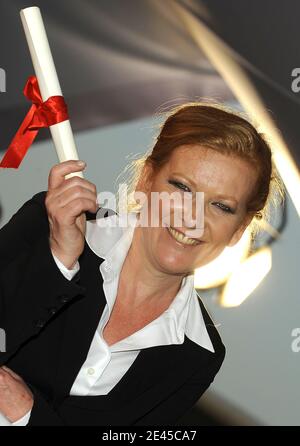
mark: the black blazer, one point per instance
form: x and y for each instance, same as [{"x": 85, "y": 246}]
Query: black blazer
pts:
[{"x": 50, "y": 323}]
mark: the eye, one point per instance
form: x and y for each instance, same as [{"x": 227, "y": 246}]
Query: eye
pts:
[
  {"x": 179, "y": 185},
  {"x": 224, "y": 208}
]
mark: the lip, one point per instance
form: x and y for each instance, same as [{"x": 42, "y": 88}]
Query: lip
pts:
[{"x": 199, "y": 242}]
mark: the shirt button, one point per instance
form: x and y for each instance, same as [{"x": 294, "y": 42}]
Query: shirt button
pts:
[
  {"x": 39, "y": 324},
  {"x": 91, "y": 371},
  {"x": 52, "y": 311},
  {"x": 64, "y": 298}
]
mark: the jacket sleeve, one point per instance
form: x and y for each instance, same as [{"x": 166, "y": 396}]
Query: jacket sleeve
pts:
[
  {"x": 30, "y": 284},
  {"x": 30, "y": 280},
  {"x": 169, "y": 411},
  {"x": 42, "y": 412}
]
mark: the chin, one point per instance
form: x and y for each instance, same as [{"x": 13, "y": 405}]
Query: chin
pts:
[
  {"x": 171, "y": 257},
  {"x": 176, "y": 271},
  {"x": 174, "y": 264}
]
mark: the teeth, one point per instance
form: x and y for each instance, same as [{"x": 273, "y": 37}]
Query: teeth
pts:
[{"x": 181, "y": 238}]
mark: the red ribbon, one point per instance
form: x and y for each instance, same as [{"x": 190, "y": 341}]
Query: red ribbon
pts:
[{"x": 41, "y": 114}]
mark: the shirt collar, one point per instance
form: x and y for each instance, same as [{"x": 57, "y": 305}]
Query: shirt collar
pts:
[{"x": 110, "y": 238}]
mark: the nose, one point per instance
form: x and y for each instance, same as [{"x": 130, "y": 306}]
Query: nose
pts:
[{"x": 193, "y": 215}]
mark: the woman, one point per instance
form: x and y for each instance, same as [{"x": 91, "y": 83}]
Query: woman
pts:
[{"x": 103, "y": 325}]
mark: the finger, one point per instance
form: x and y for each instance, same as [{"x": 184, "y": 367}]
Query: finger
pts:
[
  {"x": 6, "y": 379},
  {"x": 75, "y": 208},
  {"x": 71, "y": 183},
  {"x": 3, "y": 379},
  {"x": 12, "y": 373},
  {"x": 74, "y": 193},
  {"x": 59, "y": 171}
]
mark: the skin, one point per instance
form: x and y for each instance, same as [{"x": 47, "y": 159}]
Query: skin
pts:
[
  {"x": 15, "y": 396},
  {"x": 156, "y": 264}
]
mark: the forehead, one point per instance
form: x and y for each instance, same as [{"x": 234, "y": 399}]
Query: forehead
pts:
[{"x": 214, "y": 172}]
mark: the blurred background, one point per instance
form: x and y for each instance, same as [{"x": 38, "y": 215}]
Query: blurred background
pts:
[{"x": 122, "y": 64}]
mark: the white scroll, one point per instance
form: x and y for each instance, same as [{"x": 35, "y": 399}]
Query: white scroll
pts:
[{"x": 45, "y": 71}]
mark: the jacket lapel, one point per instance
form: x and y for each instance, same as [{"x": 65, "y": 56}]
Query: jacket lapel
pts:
[
  {"x": 152, "y": 365},
  {"x": 156, "y": 373},
  {"x": 167, "y": 364}
]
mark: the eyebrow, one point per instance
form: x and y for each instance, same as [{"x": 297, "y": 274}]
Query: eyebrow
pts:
[{"x": 188, "y": 180}]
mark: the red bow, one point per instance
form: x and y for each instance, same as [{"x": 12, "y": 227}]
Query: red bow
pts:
[{"x": 41, "y": 114}]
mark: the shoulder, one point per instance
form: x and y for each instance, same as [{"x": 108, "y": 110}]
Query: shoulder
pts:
[
  {"x": 39, "y": 198},
  {"x": 27, "y": 224}
]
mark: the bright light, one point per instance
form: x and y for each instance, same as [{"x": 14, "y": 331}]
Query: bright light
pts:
[
  {"x": 227, "y": 64},
  {"x": 290, "y": 174},
  {"x": 217, "y": 271},
  {"x": 246, "y": 277}
]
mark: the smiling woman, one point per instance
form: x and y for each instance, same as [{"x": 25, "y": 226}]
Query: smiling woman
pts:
[
  {"x": 103, "y": 324},
  {"x": 212, "y": 140}
]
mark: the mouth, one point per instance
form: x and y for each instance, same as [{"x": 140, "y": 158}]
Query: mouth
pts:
[{"x": 180, "y": 238}]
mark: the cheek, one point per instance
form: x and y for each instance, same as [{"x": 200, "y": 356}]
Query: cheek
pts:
[{"x": 221, "y": 229}]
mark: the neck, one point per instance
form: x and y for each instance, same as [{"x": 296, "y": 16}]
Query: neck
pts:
[{"x": 141, "y": 283}]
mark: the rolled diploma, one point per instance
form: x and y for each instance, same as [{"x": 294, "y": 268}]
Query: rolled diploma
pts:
[{"x": 45, "y": 71}]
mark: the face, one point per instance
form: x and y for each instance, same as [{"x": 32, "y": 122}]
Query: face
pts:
[{"x": 227, "y": 183}]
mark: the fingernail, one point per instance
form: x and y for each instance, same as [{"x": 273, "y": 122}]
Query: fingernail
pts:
[{"x": 81, "y": 163}]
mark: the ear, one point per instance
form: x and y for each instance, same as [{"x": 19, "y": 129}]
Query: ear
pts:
[{"x": 240, "y": 231}]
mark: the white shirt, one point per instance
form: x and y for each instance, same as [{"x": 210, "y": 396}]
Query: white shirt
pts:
[{"x": 105, "y": 365}]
